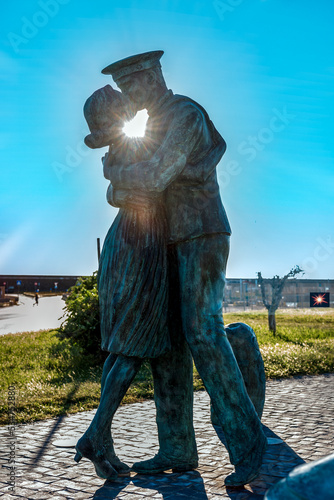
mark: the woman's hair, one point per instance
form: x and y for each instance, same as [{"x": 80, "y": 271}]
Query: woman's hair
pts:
[{"x": 104, "y": 108}]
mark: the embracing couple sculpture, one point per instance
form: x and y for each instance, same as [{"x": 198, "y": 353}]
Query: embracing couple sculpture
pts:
[{"x": 162, "y": 275}]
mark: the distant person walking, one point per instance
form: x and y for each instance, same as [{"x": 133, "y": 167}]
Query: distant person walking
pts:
[{"x": 36, "y": 300}]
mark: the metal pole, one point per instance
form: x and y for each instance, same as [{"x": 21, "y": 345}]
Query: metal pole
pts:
[{"x": 98, "y": 249}]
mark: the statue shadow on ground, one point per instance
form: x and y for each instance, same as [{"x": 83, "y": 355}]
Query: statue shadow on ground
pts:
[
  {"x": 279, "y": 460},
  {"x": 169, "y": 485}
]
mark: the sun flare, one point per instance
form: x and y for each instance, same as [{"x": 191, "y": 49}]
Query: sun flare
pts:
[
  {"x": 136, "y": 127},
  {"x": 319, "y": 299}
]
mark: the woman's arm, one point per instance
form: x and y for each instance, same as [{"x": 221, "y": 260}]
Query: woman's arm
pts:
[{"x": 123, "y": 152}]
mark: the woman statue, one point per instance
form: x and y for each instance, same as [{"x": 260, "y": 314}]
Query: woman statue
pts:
[{"x": 132, "y": 282}]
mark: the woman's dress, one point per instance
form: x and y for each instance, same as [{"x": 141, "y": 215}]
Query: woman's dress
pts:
[{"x": 132, "y": 281}]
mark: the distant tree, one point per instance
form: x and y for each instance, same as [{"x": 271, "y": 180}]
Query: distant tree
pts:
[{"x": 277, "y": 285}]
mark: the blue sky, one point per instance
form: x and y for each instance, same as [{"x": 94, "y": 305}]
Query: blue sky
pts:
[{"x": 264, "y": 70}]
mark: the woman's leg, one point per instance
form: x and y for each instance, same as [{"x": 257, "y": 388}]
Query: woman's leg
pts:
[
  {"x": 96, "y": 444},
  {"x": 108, "y": 364},
  {"x": 115, "y": 386}
]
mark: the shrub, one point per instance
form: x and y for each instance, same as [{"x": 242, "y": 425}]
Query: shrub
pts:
[{"x": 81, "y": 323}]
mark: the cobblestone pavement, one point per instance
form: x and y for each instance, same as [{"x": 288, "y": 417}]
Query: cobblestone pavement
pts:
[{"x": 299, "y": 411}]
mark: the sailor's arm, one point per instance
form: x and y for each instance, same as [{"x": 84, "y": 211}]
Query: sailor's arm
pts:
[
  {"x": 167, "y": 162},
  {"x": 201, "y": 170},
  {"x": 123, "y": 197},
  {"x": 126, "y": 198}
]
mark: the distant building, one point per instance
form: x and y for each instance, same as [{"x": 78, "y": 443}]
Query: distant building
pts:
[
  {"x": 246, "y": 293},
  {"x": 32, "y": 283},
  {"x": 240, "y": 293}
]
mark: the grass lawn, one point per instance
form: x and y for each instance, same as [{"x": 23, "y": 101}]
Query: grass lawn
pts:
[{"x": 52, "y": 378}]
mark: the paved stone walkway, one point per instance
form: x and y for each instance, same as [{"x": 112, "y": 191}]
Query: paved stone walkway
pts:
[
  {"x": 26, "y": 317},
  {"x": 299, "y": 411}
]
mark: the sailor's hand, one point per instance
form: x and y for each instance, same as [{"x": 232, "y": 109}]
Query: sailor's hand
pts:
[
  {"x": 104, "y": 158},
  {"x": 107, "y": 161}
]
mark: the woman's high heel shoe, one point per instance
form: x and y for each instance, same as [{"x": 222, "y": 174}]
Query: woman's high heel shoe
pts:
[
  {"x": 103, "y": 467},
  {"x": 77, "y": 457}
]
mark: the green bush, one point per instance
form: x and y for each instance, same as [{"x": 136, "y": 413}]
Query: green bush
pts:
[{"x": 81, "y": 323}]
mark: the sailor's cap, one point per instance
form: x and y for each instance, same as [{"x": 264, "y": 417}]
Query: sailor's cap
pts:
[{"x": 133, "y": 64}]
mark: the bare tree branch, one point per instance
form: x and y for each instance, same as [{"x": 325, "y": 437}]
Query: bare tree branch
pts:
[
  {"x": 277, "y": 284},
  {"x": 263, "y": 291}
]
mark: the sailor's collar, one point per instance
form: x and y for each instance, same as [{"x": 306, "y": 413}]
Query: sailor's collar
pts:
[{"x": 160, "y": 103}]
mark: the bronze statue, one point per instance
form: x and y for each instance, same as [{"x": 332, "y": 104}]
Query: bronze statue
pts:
[
  {"x": 312, "y": 481},
  {"x": 162, "y": 276}
]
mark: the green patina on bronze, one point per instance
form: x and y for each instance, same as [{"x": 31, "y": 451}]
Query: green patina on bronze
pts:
[
  {"x": 247, "y": 353},
  {"x": 313, "y": 481},
  {"x": 162, "y": 275}
]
